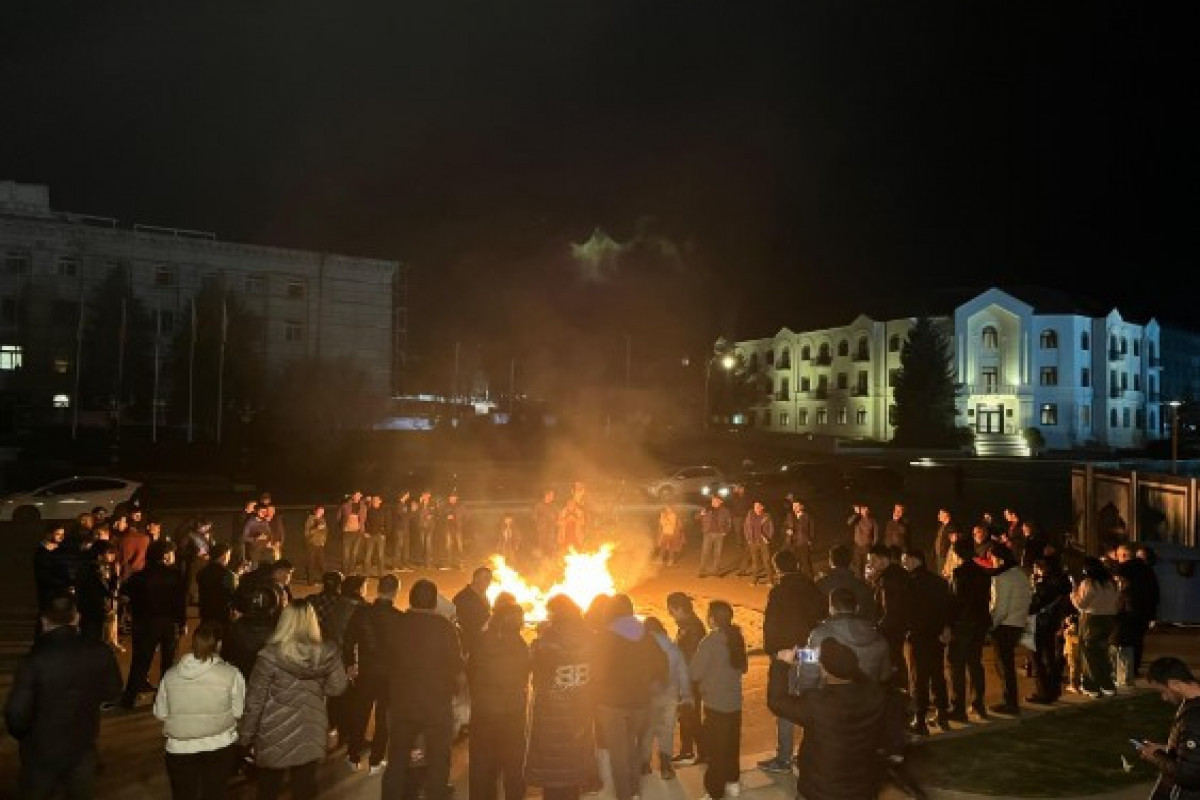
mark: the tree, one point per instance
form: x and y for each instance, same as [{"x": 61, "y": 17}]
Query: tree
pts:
[
  {"x": 117, "y": 363},
  {"x": 739, "y": 388},
  {"x": 925, "y": 390},
  {"x": 217, "y": 314}
]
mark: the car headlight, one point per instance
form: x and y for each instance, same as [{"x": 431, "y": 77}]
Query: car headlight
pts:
[
  {"x": 705, "y": 490},
  {"x": 723, "y": 491}
]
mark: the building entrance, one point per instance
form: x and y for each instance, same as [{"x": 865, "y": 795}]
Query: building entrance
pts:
[{"x": 989, "y": 419}]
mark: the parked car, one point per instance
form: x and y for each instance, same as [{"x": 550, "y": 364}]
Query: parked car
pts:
[
  {"x": 67, "y": 498},
  {"x": 802, "y": 480},
  {"x": 874, "y": 481},
  {"x": 685, "y": 481}
]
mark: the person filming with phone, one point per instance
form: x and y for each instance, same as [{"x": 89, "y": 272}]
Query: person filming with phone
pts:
[{"x": 1177, "y": 761}]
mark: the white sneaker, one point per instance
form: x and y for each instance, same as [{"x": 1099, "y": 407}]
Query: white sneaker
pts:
[
  {"x": 1108, "y": 692},
  {"x": 377, "y": 769},
  {"x": 352, "y": 765},
  {"x": 733, "y": 789}
]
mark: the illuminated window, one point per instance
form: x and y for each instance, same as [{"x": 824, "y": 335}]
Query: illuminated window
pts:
[
  {"x": 802, "y": 417},
  {"x": 1049, "y": 414},
  {"x": 991, "y": 338},
  {"x": 1049, "y": 376},
  {"x": 842, "y": 416},
  {"x": 860, "y": 416},
  {"x": 1049, "y": 340},
  {"x": 10, "y": 356},
  {"x": 822, "y": 416},
  {"x": 62, "y": 365},
  {"x": 62, "y": 401}
]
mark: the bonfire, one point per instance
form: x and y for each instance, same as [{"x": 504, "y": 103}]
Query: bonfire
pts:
[{"x": 585, "y": 576}]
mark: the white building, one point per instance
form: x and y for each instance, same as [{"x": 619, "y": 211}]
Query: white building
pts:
[
  {"x": 318, "y": 305},
  {"x": 1038, "y": 362}
]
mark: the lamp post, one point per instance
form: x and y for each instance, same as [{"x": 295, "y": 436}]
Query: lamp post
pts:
[
  {"x": 1174, "y": 404},
  {"x": 727, "y": 362}
]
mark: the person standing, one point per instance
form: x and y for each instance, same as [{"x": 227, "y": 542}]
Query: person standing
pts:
[
  {"x": 670, "y": 535},
  {"x": 316, "y": 534},
  {"x": 864, "y": 534},
  {"x": 690, "y": 632},
  {"x": 665, "y": 699},
  {"x": 285, "y": 722},
  {"x": 561, "y": 755},
  {"x": 157, "y": 603},
  {"x": 1177, "y": 761},
  {"x": 134, "y": 544},
  {"x": 759, "y": 531},
  {"x": 1098, "y": 601},
  {"x": 1010, "y": 599},
  {"x": 800, "y": 535},
  {"x": 840, "y": 576},
  {"x": 498, "y": 676},
  {"x": 545, "y": 524},
  {"x": 453, "y": 522},
  {"x": 216, "y": 585},
  {"x": 96, "y": 591},
  {"x": 794, "y": 608},
  {"x": 425, "y": 520},
  {"x": 628, "y": 663},
  {"x": 1144, "y": 598},
  {"x": 352, "y": 517},
  {"x": 927, "y": 637},
  {"x": 249, "y": 633},
  {"x": 51, "y": 573},
  {"x": 426, "y": 662},
  {"x": 1049, "y": 605},
  {"x": 970, "y": 619},
  {"x": 53, "y": 707},
  {"x": 943, "y": 541},
  {"x": 365, "y": 652},
  {"x": 376, "y": 536},
  {"x": 508, "y": 539},
  {"x": 895, "y": 532},
  {"x": 715, "y": 524},
  {"x": 199, "y": 702},
  {"x": 718, "y": 666},
  {"x": 893, "y": 606},
  {"x": 256, "y": 537},
  {"x": 400, "y": 539},
  {"x": 472, "y": 608}
]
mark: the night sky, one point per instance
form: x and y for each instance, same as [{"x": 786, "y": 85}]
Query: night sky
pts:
[{"x": 754, "y": 164}]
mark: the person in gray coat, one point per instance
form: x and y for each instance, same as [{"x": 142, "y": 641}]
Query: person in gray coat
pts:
[{"x": 285, "y": 723}]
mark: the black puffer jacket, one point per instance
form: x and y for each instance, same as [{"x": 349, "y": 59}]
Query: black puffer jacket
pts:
[
  {"x": 627, "y": 665},
  {"x": 970, "y": 596},
  {"x": 246, "y": 637},
  {"x": 157, "y": 592},
  {"x": 426, "y": 660},
  {"x": 366, "y": 640},
  {"x": 562, "y": 743},
  {"x": 498, "y": 671},
  {"x": 893, "y": 602},
  {"x": 844, "y": 728},
  {"x": 794, "y": 608}
]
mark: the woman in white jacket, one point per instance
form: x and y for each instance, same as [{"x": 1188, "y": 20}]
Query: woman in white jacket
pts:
[{"x": 200, "y": 700}]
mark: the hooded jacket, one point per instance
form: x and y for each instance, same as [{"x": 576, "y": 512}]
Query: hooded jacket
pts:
[
  {"x": 1011, "y": 594},
  {"x": 678, "y": 679},
  {"x": 200, "y": 703},
  {"x": 628, "y": 663},
  {"x": 285, "y": 720},
  {"x": 498, "y": 673},
  {"x": 794, "y": 608},
  {"x": 562, "y": 743},
  {"x": 860, "y": 636}
]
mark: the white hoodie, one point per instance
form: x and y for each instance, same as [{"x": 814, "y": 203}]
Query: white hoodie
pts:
[{"x": 200, "y": 703}]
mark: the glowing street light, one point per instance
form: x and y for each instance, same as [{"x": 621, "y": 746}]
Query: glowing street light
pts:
[
  {"x": 1174, "y": 404},
  {"x": 727, "y": 362}
]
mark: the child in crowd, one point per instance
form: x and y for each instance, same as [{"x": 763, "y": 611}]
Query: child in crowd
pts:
[{"x": 1071, "y": 654}]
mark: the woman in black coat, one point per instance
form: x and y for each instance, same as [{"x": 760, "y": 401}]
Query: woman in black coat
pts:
[{"x": 562, "y": 746}]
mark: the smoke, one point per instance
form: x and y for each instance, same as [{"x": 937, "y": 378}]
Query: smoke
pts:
[{"x": 601, "y": 258}]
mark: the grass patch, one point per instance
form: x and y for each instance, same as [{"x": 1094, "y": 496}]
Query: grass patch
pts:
[{"x": 1058, "y": 754}]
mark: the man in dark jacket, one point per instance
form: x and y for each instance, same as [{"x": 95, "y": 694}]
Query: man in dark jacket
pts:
[
  {"x": 843, "y": 720},
  {"x": 1050, "y": 605},
  {"x": 1144, "y": 592},
  {"x": 426, "y": 662},
  {"x": 1177, "y": 761},
  {"x": 324, "y": 601},
  {"x": 53, "y": 708},
  {"x": 927, "y": 636},
  {"x": 840, "y": 576},
  {"x": 498, "y": 673},
  {"x": 794, "y": 608},
  {"x": 691, "y": 632},
  {"x": 248, "y": 634},
  {"x": 365, "y": 654},
  {"x": 628, "y": 663},
  {"x": 216, "y": 585},
  {"x": 157, "y": 604},
  {"x": 800, "y": 535},
  {"x": 97, "y": 589},
  {"x": 970, "y": 619},
  {"x": 472, "y": 607},
  {"x": 716, "y": 522},
  {"x": 893, "y": 607}
]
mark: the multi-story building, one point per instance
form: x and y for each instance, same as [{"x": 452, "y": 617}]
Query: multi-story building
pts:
[
  {"x": 309, "y": 304},
  {"x": 1024, "y": 359}
]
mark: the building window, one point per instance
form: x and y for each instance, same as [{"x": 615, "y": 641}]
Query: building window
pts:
[
  {"x": 823, "y": 354},
  {"x": 1135, "y": 347},
  {"x": 1124, "y": 345},
  {"x": 1125, "y": 418},
  {"x": 1049, "y": 414},
  {"x": 862, "y": 351},
  {"x": 163, "y": 275},
  {"x": 1139, "y": 419},
  {"x": 842, "y": 416},
  {"x": 842, "y": 380},
  {"x": 1112, "y": 344},
  {"x": 860, "y": 388},
  {"x": 802, "y": 417},
  {"x": 1137, "y": 382},
  {"x": 892, "y": 414},
  {"x": 10, "y": 356},
  {"x": 1084, "y": 341},
  {"x": 783, "y": 419},
  {"x": 1153, "y": 422},
  {"x": 1124, "y": 381},
  {"x": 1049, "y": 376},
  {"x": 770, "y": 358},
  {"x": 754, "y": 362},
  {"x": 62, "y": 365},
  {"x": 805, "y": 384},
  {"x": 293, "y": 331},
  {"x": 18, "y": 262},
  {"x": 991, "y": 379},
  {"x": 822, "y": 416},
  {"x": 785, "y": 359},
  {"x": 784, "y": 390},
  {"x": 61, "y": 401},
  {"x": 1085, "y": 377},
  {"x": 1049, "y": 340},
  {"x": 68, "y": 267},
  {"x": 766, "y": 419},
  {"x": 894, "y": 343},
  {"x": 255, "y": 284},
  {"x": 1085, "y": 416},
  {"x": 805, "y": 353},
  {"x": 296, "y": 289},
  {"x": 1150, "y": 350},
  {"x": 8, "y": 310},
  {"x": 860, "y": 416},
  {"x": 843, "y": 347},
  {"x": 991, "y": 338},
  {"x": 892, "y": 375},
  {"x": 1112, "y": 418}
]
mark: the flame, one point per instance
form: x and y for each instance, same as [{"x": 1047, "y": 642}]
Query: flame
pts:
[{"x": 585, "y": 576}]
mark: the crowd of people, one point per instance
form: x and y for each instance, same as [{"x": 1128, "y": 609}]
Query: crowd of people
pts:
[{"x": 876, "y": 647}]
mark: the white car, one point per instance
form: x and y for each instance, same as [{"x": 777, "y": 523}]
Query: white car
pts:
[
  {"x": 67, "y": 498},
  {"x": 701, "y": 480}
]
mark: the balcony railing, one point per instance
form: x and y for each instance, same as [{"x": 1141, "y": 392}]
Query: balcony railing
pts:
[
  {"x": 782, "y": 396},
  {"x": 821, "y": 393},
  {"x": 862, "y": 355},
  {"x": 1115, "y": 355},
  {"x": 1114, "y": 392},
  {"x": 784, "y": 364},
  {"x": 992, "y": 388},
  {"x": 823, "y": 360},
  {"x": 859, "y": 391}
]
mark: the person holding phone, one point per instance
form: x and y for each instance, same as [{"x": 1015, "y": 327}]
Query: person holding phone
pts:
[{"x": 1177, "y": 761}]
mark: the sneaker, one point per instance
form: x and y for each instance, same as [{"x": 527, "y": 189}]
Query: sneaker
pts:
[
  {"x": 733, "y": 789},
  {"x": 1091, "y": 694},
  {"x": 683, "y": 760},
  {"x": 774, "y": 765},
  {"x": 377, "y": 769},
  {"x": 918, "y": 727},
  {"x": 1073, "y": 689},
  {"x": 1108, "y": 692},
  {"x": 353, "y": 764},
  {"x": 1004, "y": 708}
]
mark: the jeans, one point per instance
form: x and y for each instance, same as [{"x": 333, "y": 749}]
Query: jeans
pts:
[
  {"x": 929, "y": 675},
  {"x": 691, "y": 739},
  {"x": 148, "y": 636},
  {"x": 370, "y": 693},
  {"x": 1122, "y": 660},
  {"x": 722, "y": 735},
  {"x": 373, "y": 551},
  {"x": 201, "y": 776},
  {"x": 496, "y": 752},
  {"x": 1094, "y": 633},
  {"x": 352, "y": 546},
  {"x": 760, "y": 560},
  {"x": 302, "y": 780},
  {"x": 43, "y": 783},
  {"x": 438, "y": 729},
  {"x": 660, "y": 726},
  {"x": 710, "y": 553},
  {"x": 1048, "y": 664},
  {"x": 621, "y": 728},
  {"x": 785, "y": 740},
  {"x": 966, "y": 657},
  {"x": 454, "y": 548},
  {"x": 1005, "y": 639},
  {"x": 314, "y": 562}
]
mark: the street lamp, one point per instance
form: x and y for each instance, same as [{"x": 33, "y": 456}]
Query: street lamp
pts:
[
  {"x": 727, "y": 363},
  {"x": 1174, "y": 404}
]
